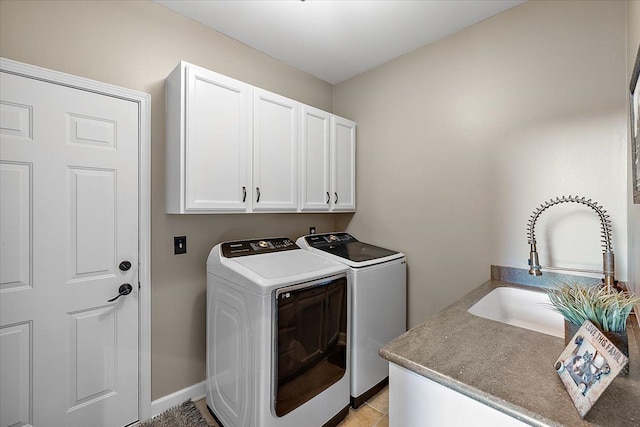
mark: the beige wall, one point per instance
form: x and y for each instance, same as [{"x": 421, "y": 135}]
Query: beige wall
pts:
[
  {"x": 135, "y": 44},
  {"x": 633, "y": 41},
  {"x": 460, "y": 140}
]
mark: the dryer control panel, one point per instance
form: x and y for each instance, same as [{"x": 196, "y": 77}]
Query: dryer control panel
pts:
[
  {"x": 255, "y": 247},
  {"x": 344, "y": 245},
  {"x": 321, "y": 241}
]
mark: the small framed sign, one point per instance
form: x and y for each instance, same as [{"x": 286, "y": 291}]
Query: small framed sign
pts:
[{"x": 588, "y": 365}]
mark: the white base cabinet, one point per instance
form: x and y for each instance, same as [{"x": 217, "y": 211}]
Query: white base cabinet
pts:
[
  {"x": 236, "y": 148},
  {"x": 418, "y": 401}
]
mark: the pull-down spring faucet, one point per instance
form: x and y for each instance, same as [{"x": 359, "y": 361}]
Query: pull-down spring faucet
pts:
[{"x": 605, "y": 223}]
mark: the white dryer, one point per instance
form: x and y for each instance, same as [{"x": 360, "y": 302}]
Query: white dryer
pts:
[
  {"x": 277, "y": 335},
  {"x": 378, "y": 280}
]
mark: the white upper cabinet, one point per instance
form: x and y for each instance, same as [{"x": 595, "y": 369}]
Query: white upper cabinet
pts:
[
  {"x": 315, "y": 139},
  {"x": 208, "y": 142},
  {"x": 343, "y": 164},
  {"x": 235, "y": 148},
  {"x": 327, "y": 162},
  {"x": 275, "y": 152}
]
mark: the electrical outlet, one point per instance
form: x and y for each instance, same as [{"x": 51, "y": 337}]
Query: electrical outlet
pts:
[
  {"x": 180, "y": 245},
  {"x": 312, "y": 230}
]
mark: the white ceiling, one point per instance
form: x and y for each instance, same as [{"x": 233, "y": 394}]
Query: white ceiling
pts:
[{"x": 337, "y": 39}]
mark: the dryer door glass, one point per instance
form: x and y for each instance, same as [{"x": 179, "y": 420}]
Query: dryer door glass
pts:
[{"x": 311, "y": 341}]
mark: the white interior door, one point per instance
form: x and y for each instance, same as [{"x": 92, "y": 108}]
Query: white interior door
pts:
[{"x": 69, "y": 217}]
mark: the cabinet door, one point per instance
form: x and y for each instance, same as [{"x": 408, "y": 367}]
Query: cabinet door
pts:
[
  {"x": 275, "y": 151},
  {"x": 343, "y": 164},
  {"x": 314, "y": 159},
  {"x": 218, "y": 138}
]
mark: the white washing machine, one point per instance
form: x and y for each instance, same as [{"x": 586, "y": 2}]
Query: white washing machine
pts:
[
  {"x": 378, "y": 279},
  {"x": 277, "y": 335}
]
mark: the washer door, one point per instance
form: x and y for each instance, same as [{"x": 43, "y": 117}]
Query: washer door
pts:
[{"x": 311, "y": 343}]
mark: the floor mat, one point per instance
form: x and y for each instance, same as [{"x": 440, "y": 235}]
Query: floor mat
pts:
[{"x": 185, "y": 415}]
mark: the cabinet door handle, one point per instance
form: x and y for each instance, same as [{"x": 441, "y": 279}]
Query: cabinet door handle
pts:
[
  {"x": 244, "y": 194},
  {"x": 336, "y": 202},
  {"x": 328, "y": 197},
  {"x": 258, "y": 192}
]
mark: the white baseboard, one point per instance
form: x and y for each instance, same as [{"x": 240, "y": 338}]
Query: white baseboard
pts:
[{"x": 194, "y": 392}]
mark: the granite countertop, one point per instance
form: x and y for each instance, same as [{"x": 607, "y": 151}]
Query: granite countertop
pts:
[{"x": 510, "y": 368}]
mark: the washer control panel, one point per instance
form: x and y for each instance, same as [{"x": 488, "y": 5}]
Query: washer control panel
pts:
[{"x": 255, "y": 247}]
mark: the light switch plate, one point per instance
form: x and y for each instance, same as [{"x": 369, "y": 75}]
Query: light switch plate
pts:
[{"x": 180, "y": 245}]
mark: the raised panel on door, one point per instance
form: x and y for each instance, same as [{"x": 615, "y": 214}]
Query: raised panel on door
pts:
[
  {"x": 343, "y": 165},
  {"x": 16, "y": 399},
  {"x": 69, "y": 205},
  {"x": 92, "y": 218},
  {"x": 217, "y": 149},
  {"x": 15, "y": 120},
  {"x": 314, "y": 159},
  {"x": 92, "y": 351},
  {"x": 15, "y": 225},
  {"x": 275, "y": 150}
]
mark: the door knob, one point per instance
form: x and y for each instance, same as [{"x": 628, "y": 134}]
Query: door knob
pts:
[
  {"x": 124, "y": 289},
  {"x": 124, "y": 265}
]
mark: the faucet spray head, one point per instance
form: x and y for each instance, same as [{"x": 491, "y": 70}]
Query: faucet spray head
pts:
[{"x": 534, "y": 264}]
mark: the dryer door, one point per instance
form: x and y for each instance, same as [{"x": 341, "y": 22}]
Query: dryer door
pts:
[{"x": 311, "y": 341}]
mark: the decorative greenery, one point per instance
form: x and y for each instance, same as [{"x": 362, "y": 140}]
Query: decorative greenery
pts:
[{"x": 608, "y": 311}]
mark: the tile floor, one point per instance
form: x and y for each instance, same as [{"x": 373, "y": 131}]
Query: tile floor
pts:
[{"x": 373, "y": 413}]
